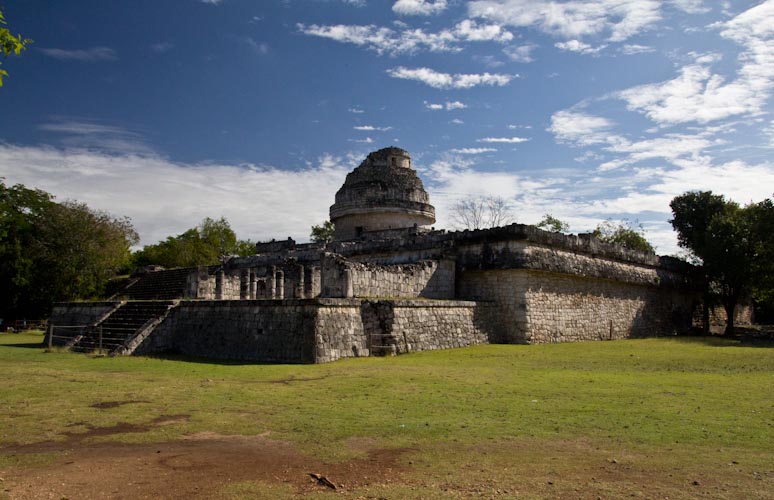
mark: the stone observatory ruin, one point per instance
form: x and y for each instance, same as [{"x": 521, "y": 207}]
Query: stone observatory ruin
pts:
[{"x": 389, "y": 284}]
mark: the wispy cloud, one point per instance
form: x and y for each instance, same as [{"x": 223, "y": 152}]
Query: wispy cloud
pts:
[
  {"x": 573, "y": 19},
  {"x": 699, "y": 95},
  {"x": 384, "y": 40},
  {"x": 90, "y": 134},
  {"x": 161, "y": 47},
  {"x": 520, "y": 53},
  {"x": 631, "y": 49},
  {"x": 369, "y": 128},
  {"x": 93, "y": 54},
  {"x": 580, "y": 47},
  {"x": 503, "y": 140},
  {"x": 448, "y": 105},
  {"x": 439, "y": 80},
  {"x": 472, "y": 151}
]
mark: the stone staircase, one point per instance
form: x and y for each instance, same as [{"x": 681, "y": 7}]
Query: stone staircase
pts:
[
  {"x": 115, "y": 333},
  {"x": 158, "y": 285}
]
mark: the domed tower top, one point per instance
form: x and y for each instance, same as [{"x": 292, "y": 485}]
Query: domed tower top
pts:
[{"x": 384, "y": 192}]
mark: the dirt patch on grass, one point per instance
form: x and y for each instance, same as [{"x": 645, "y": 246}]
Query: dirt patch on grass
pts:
[
  {"x": 199, "y": 466},
  {"x": 115, "y": 404}
]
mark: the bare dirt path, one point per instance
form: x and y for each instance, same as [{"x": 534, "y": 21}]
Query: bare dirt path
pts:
[{"x": 195, "y": 467}]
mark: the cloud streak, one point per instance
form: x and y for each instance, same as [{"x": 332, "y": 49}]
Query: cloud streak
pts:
[
  {"x": 440, "y": 80},
  {"x": 93, "y": 54}
]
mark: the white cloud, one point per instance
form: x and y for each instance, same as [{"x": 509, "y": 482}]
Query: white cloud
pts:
[
  {"x": 383, "y": 40},
  {"x": 457, "y": 121},
  {"x": 356, "y": 111},
  {"x": 503, "y": 140},
  {"x": 439, "y": 80},
  {"x": 93, "y": 54},
  {"x": 369, "y": 128},
  {"x": 448, "y": 106},
  {"x": 579, "y": 47},
  {"x": 419, "y": 7},
  {"x": 470, "y": 31},
  {"x": 579, "y": 127},
  {"x": 520, "y": 53},
  {"x": 691, "y": 6},
  {"x": 212, "y": 2},
  {"x": 472, "y": 151},
  {"x": 165, "y": 198},
  {"x": 631, "y": 49},
  {"x": 699, "y": 95},
  {"x": 573, "y": 19}
]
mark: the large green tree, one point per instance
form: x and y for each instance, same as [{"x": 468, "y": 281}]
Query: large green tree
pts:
[
  {"x": 198, "y": 246},
  {"x": 10, "y": 43},
  {"x": 55, "y": 251},
  {"x": 733, "y": 244}
]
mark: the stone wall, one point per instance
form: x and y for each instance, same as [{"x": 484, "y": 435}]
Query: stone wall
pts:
[
  {"x": 80, "y": 313},
  {"x": 402, "y": 326},
  {"x": 249, "y": 330},
  {"x": 427, "y": 279},
  {"x": 76, "y": 314},
  {"x": 316, "y": 330},
  {"x": 540, "y": 306}
]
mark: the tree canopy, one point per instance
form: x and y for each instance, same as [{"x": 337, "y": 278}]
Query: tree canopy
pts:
[
  {"x": 323, "y": 233},
  {"x": 481, "y": 212},
  {"x": 10, "y": 43},
  {"x": 733, "y": 243},
  {"x": 55, "y": 251},
  {"x": 198, "y": 246},
  {"x": 551, "y": 223},
  {"x": 624, "y": 233}
]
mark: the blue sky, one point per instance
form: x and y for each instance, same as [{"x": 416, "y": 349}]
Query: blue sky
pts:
[{"x": 171, "y": 111}]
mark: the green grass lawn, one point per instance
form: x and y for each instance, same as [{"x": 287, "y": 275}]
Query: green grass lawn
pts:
[{"x": 680, "y": 408}]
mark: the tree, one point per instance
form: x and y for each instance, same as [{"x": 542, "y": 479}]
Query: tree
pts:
[
  {"x": 733, "y": 244},
  {"x": 323, "y": 233},
  {"x": 10, "y": 43},
  {"x": 625, "y": 234},
  {"x": 481, "y": 212},
  {"x": 199, "y": 246},
  {"x": 55, "y": 251},
  {"x": 551, "y": 223}
]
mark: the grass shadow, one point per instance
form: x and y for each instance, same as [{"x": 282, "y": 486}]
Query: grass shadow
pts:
[
  {"x": 723, "y": 341},
  {"x": 184, "y": 358}
]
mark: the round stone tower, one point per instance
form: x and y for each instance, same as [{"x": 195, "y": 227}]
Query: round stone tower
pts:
[{"x": 384, "y": 192}]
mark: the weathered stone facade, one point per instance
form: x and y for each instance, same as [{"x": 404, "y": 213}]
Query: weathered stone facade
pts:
[{"x": 398, "y": 287}]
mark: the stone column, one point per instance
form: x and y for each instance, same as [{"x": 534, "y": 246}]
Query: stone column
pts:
[
  {"x": 253, "y": 284},
  {"x": 244, "y": 284},
  {"x": 279, "y": 279},
  {"x": 271, "y": 283},
  {"x": 347, "y": 286},
  {"x": 299, "y": 288},
  {"x": 219, "y": 285}
]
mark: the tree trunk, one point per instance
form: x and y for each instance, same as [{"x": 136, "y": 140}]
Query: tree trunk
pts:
[
  {"x": 705, "y": 314},
  {"x": 730, "y": 307}
]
